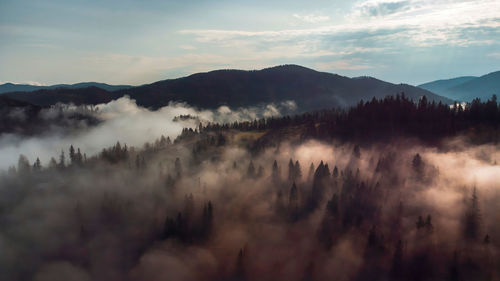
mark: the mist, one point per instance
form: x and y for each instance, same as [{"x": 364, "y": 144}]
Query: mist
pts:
[
  {"x": 119, "y": 120},
  {"x": 326, "y": 210}
]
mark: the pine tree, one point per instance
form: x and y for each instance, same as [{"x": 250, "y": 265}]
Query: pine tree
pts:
[
  {"x": 454, "y": 274},
  {"x": 310, "y": 174},
  {"x": 178, "y": 167},
  {"x": 335, "y": 173},
  {"x": 240, "y": 274},
  {"x": 78, "y": 157},
  {"x": 62, "y": 160},
  {"x": 251, "y": 170},
  {"x": 72, "y": 155},
  {"x": 428, "y": 223},
  {"x": 486, "y": 239},
  {"x": 37, "y": 166},
  {"x": 52, "y": 163},
  {"x": 417, "y": 163},
  {"x": 260, "y": 172},
  {"x": 420, "y": 222},
  {"x": 472, "y": 217},
  {"x": 319, "y": 181},
  {"x": 163, "y": 141},
  {"x": 207, "y": 220},
  {"x": 275, "y": 172},
  {"x": 297, "y": 171},
  {"x": 291, "y": 170},
  {"x": 396, "y": 273},
  {"x": 356, "y": 152},
  {"x": 293, "y": 203},
  {"x": 23, "y": 164}
]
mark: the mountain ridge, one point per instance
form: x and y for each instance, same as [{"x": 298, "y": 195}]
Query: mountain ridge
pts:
[
  {"x": 466, "y": 88},
  {"x": 14, "y": 87},
  {"x": 309, "y": 88}
]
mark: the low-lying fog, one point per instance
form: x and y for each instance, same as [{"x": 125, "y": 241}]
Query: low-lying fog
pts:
[
  {"x": 122, "y": 120},
  {"x": 322, "y": 211}
]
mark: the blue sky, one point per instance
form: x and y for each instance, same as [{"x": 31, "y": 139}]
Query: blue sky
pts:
[{"x": 139, "y": 41}]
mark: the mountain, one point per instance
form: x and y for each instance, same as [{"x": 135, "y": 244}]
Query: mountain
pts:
[
  {"x": 467, "y": 88},
  {"x": 310, "y": 89},
  {"x": 441, "y": 86},
  {"x": 10, "y": 87},
  {"x": 47, "y": 97}
]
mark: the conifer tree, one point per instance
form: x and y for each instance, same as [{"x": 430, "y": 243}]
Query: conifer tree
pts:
[
  {"x": 72, "y": 154},
  {"x": 251, "y": 170},
  {"x": 275, "y": 172},
  {"x": 472, "y": 217},
  {"x": 178, "y": 167},
  {"x": 291, "y": 171},
  {"x": 37, "y": 166},
  {"x": 62, "y": 160},
  {"x": 297, "y": 171},
  {"x": 23, "y": 165},
  {"x": 310, "y": 174}
]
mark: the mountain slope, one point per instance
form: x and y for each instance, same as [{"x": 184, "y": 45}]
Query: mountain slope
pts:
[
  {"x": 46, "y": 97},
  {"x": 10, "y": 87},
  {"x": 310, "y": 89},
  {"x": 479, "y": 87},
  {"x": 441, "y": 86}
]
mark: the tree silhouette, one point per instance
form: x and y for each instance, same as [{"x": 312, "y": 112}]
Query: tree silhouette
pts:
[
  {"x": 23, "y": 165},
  {"x": 37, "y": 166},
  {"x": 62, "y": 160},
  {"x": 291, "y": 171},
  {"x": 472, "y": 217},
  {"x": 251, "y": 170},
  {"x": 397, "y": 270},
  {"x": 72, "y": 157}
]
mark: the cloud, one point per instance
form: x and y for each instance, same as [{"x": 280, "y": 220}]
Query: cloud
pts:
[
  {"x": 33, "y": 83},
  {"x": 353, "y": 64},
  {"x": 382, "y": 8},
  {"x": 122, "y": 120},
  {"x": 312, "y": 18},
  {"x": 374, "y": 24},
  {"x": 187, "y": 47},
  {"x": 494, "y": 55},
  {"x": 400, "y": 28}
]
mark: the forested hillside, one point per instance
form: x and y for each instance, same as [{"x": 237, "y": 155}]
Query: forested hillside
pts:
[{"x": 386, "y": 190}]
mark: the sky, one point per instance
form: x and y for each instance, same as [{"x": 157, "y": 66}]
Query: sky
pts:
[{"x": 141, "y": 41}]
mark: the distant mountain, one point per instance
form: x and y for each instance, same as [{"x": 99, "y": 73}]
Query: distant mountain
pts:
[
  {"x": 466, "y": 88},
  {"x": 10, "y": 87},
  {"x": 46, "y": 97},
  {"x": 310, "y": 89},
  {"x": 441, "y": 86}
]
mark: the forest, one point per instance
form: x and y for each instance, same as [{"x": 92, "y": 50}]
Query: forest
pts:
[{"x": 389, "y": 189}]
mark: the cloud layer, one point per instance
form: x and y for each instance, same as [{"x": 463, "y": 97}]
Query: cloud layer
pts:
[
  {"x": 397, "y": 40},
  {"x": 122, "y": 120}
]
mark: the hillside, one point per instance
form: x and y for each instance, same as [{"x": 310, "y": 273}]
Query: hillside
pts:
[
  {"x": 467, "y": 88},
  {"x": 310, "y": 89},
  {"x": 442, "y": 86},
  {"x": 46, "y": 97},
  {"x": 11, "y": 87}
]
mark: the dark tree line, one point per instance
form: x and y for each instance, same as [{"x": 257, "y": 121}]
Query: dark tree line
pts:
[{"x": 382, "y": 119}]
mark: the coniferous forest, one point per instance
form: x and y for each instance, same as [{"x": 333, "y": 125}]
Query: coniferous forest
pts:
[{"x": 389, "y": 189}]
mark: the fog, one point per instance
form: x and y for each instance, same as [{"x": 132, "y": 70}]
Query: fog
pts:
[
  {"x": 174, "y": 204},
  {"x": 120, "y": 221},
  {"x": 121, "y": 120}
]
